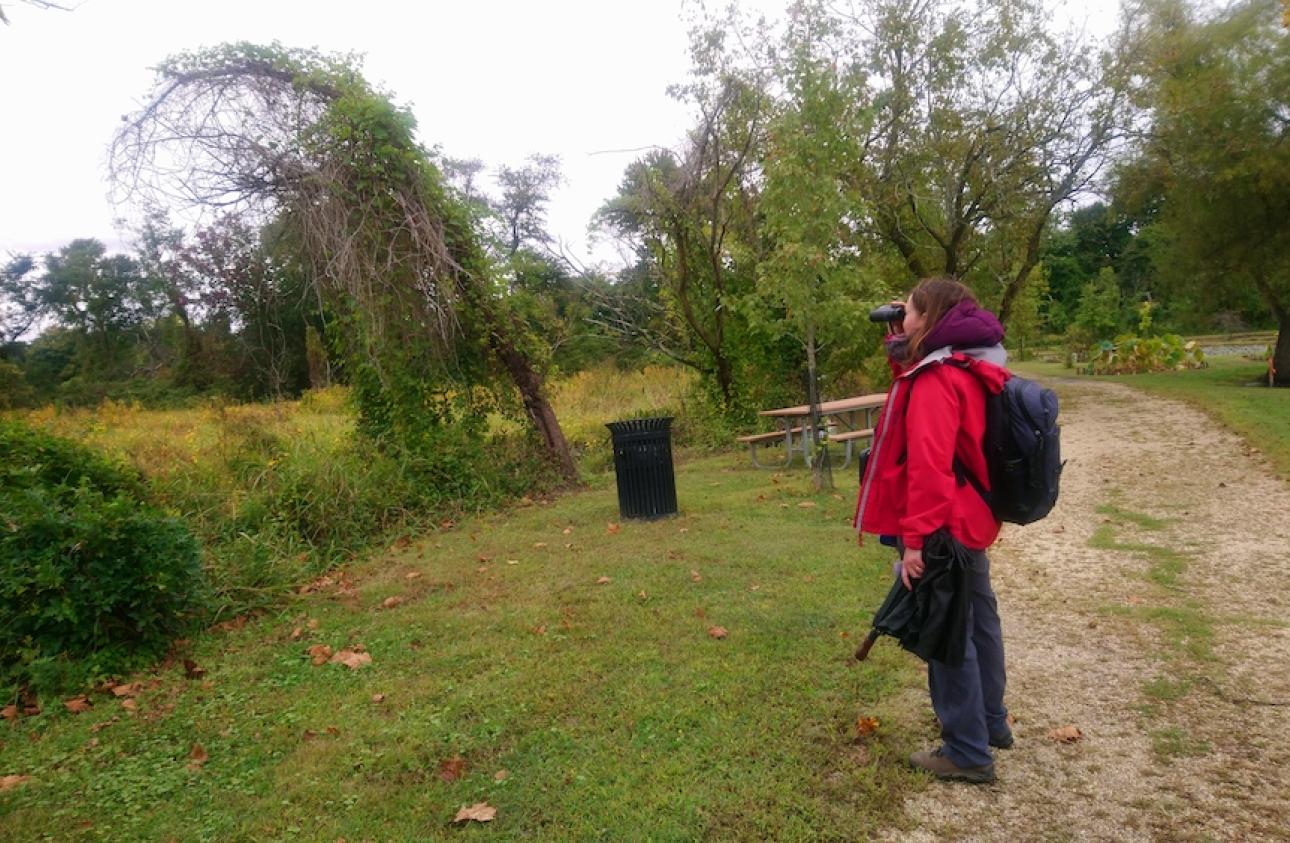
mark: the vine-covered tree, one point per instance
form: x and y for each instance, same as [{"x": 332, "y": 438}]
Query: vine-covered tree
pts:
[{"x": 301, "y": 138}]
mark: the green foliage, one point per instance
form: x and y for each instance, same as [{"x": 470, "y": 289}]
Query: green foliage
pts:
[
  {"x": 93, "y": 579},
  {"x": 1134, "y": 355},
  {"x": 1098, "y": 312}
]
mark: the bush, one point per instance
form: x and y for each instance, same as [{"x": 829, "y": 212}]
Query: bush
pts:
[
  {"x": 1134, "y": 355},
  {"x": 93, "y": 580}
]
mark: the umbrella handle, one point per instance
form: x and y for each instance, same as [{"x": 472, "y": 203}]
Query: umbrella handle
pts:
[{"x": 862, "y": 652}]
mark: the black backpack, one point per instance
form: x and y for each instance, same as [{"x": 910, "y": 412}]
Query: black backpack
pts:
[{"x": 1022, "y": 451}]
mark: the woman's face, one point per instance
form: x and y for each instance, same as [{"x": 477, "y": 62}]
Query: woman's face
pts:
[{"x": 914, "y": 319}]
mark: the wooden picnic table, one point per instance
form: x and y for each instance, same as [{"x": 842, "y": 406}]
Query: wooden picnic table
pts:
[{"x": 839, "y": 421}]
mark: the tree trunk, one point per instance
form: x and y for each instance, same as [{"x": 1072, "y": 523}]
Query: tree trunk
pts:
[
  {"x": 1280, "y": 372},
  {"x": 501, "y": 326},
  {"x": 822, "y": 471}
]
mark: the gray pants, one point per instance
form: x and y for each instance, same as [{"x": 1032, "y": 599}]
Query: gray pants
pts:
[{"x": 968, "y": 699}]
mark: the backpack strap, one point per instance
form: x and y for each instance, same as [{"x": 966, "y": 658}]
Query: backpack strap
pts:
[{"x": 961, "y": 472}]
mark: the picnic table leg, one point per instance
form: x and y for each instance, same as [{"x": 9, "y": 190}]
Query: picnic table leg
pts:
[{"x": 788, "y": 456}]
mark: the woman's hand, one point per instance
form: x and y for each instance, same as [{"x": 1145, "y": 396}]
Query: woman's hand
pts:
[{"x": 911, "y": 566}]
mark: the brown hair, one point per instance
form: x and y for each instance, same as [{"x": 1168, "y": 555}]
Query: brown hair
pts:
[{"x": 933, "y": 297}]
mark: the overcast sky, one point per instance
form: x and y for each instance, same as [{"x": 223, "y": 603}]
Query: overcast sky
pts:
[{"x": 489, "y": 79}]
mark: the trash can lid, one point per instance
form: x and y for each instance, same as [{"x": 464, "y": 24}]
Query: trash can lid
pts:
[{"x": 640, "y": 425}]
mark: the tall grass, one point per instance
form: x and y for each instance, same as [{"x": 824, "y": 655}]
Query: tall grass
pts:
[{"x": 280, "y": 492}]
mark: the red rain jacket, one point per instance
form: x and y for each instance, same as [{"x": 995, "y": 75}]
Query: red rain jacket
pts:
[{"x": 909, "y": 488}]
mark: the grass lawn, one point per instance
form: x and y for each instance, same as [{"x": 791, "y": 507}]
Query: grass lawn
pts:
[
  {"x": 512, "y": 674},
  {"x": 1228, "y": 390}
]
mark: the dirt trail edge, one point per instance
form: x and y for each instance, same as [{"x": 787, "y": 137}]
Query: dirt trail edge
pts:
[{"x": 1151, "y": 610}]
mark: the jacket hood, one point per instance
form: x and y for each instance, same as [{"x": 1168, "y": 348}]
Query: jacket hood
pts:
[{"x": 965, "y": 325}]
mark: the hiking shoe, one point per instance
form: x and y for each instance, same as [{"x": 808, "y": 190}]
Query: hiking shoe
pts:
[
  {"x": 942, "y": 767},
  {"x": 1003, "y": 741}
]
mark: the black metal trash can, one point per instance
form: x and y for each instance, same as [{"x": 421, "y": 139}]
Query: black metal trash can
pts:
[{"x": 643, "y": 465}]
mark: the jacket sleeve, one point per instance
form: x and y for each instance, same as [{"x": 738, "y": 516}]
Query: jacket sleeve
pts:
[{"x": 931, "y": 428}]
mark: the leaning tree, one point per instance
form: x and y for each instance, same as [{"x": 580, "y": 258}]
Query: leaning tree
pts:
[{"x": 300, "y": 138}]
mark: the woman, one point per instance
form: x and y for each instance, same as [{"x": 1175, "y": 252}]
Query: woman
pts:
[{"x": 930, "y": 433}]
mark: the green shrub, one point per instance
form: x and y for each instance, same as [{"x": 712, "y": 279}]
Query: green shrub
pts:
[
  {"x": 1134, "y": 355},
  {"x": 93, "y": 580}
]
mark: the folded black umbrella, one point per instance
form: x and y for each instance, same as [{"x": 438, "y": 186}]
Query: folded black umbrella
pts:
[{"x": 931, "y": 620}]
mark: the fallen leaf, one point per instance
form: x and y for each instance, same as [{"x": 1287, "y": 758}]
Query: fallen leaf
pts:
[
  {"x": 197, "y": 757},
  {"x": 866, "y": 726},
  {"x": 568, "y": 531},
  {"x": 297, "y": 633},
  {"x": 192, "y": 671},
  {"x": 479, "y": 812},
  {"x": 717, "y": 632},
  {"x": 806, "y": 504},
  {"x": 604, "y": 581},
  {"x": 451, "y": 769},
  {"x": 695, "y": 576},
  {"x": 641, "y": 594},
  {"x": 501, "y": 775},
  {"x": 130, "y": 704},
  {"x": 512, "y": 561},
  {"x": 129, "y": 690},
  {"x": 312, "y": 623},
  {"x": 391, "y": 602},
  {"x": 332, "y": 730},
  {"x": 808, "y": 578},
  {"x": 612, "y": 528},
  {"x": 9, "y": 712},
  {"x": 412, "y": 575},
  {"x": 447, "y": 524},
  {"x": 77, "y": 704},
  {"x": 540, "y": 629},
  {"x": 352, "y": 659},
  {"x": 378, "y": 698},
  {"x": 103, "y": 724},
  {"x": 699, "y": 613},
  {"x": 684, "y": 530},
  {"x": 754, "y": 587},
  {"x": 319, "y": 654},
  {"x": 1066, "y": 734},
  {"x": 539, "y": 544},
  {"x": 10, "y": 782}
]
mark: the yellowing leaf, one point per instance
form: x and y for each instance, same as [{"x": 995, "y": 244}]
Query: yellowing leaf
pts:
[
  {"x": 1066, "y": 734},
  {"x": 352, "y": 659},
  {"x": 717, "y": 632},
  {"x": 866, "y": 726},
  {"x": 479, "y": 812}
]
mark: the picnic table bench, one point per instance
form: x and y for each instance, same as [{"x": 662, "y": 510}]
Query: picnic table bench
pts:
[{"x": 840, "y": 421}]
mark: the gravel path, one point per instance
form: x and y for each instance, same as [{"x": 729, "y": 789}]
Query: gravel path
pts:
[{"x": 1174, "y": 667}]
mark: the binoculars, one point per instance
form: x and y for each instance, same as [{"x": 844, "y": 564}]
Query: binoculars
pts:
[{"x": 887, "y": 313}]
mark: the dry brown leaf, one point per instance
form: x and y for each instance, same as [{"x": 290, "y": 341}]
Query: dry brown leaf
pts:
[
  {"x": 197, "y": 757},
  {"x": 1066, "y": 734},
  {"x": 9, "y": 712},
  {"x": 539, "y": 545},
  {"x": 312, "y": 623},
  {"x": 717, "y": 632},
  {"x": 352, "y": 659},
  {"x": 641, "y": 594},
  {"x": 512, "y": 561},
  {"x": 102, "y": 724},
  {"x": 192, "y": 671},
  {"x": 604, "y": 581},
  {"x": 695, "y": 576},
  {"x": 684, "y": 530},
  {"x": 501, "y": 775},
  {"x": 540, "y": 629},
  {"x": 297, "y": 633},
  {"x": 479, "y": 812},
  {"x": 806, "y": 504},
  {"x": 568, "y": 531},
  {"x": 699, "y": 613},
  {"x": 130, "y": 690},
  {"x": 392, "y": 602},
  {"x": 130, "y": 704},
  {"x": 754, "y": 587},
  {"x": 412, "y": 575},
  {"x": 866, "y": 726},
  {"x": 484, "y": 558},
  {"x": 451, "y": 769},
  {"x": 612, "y": 528},
  {"x": 447, "y": 524},
  {"x": 78, "y": 704},
  {"x": 378, "y": 698},
  {"x": 319, "y": 654},
  {"x": 10, "y": 782}
]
